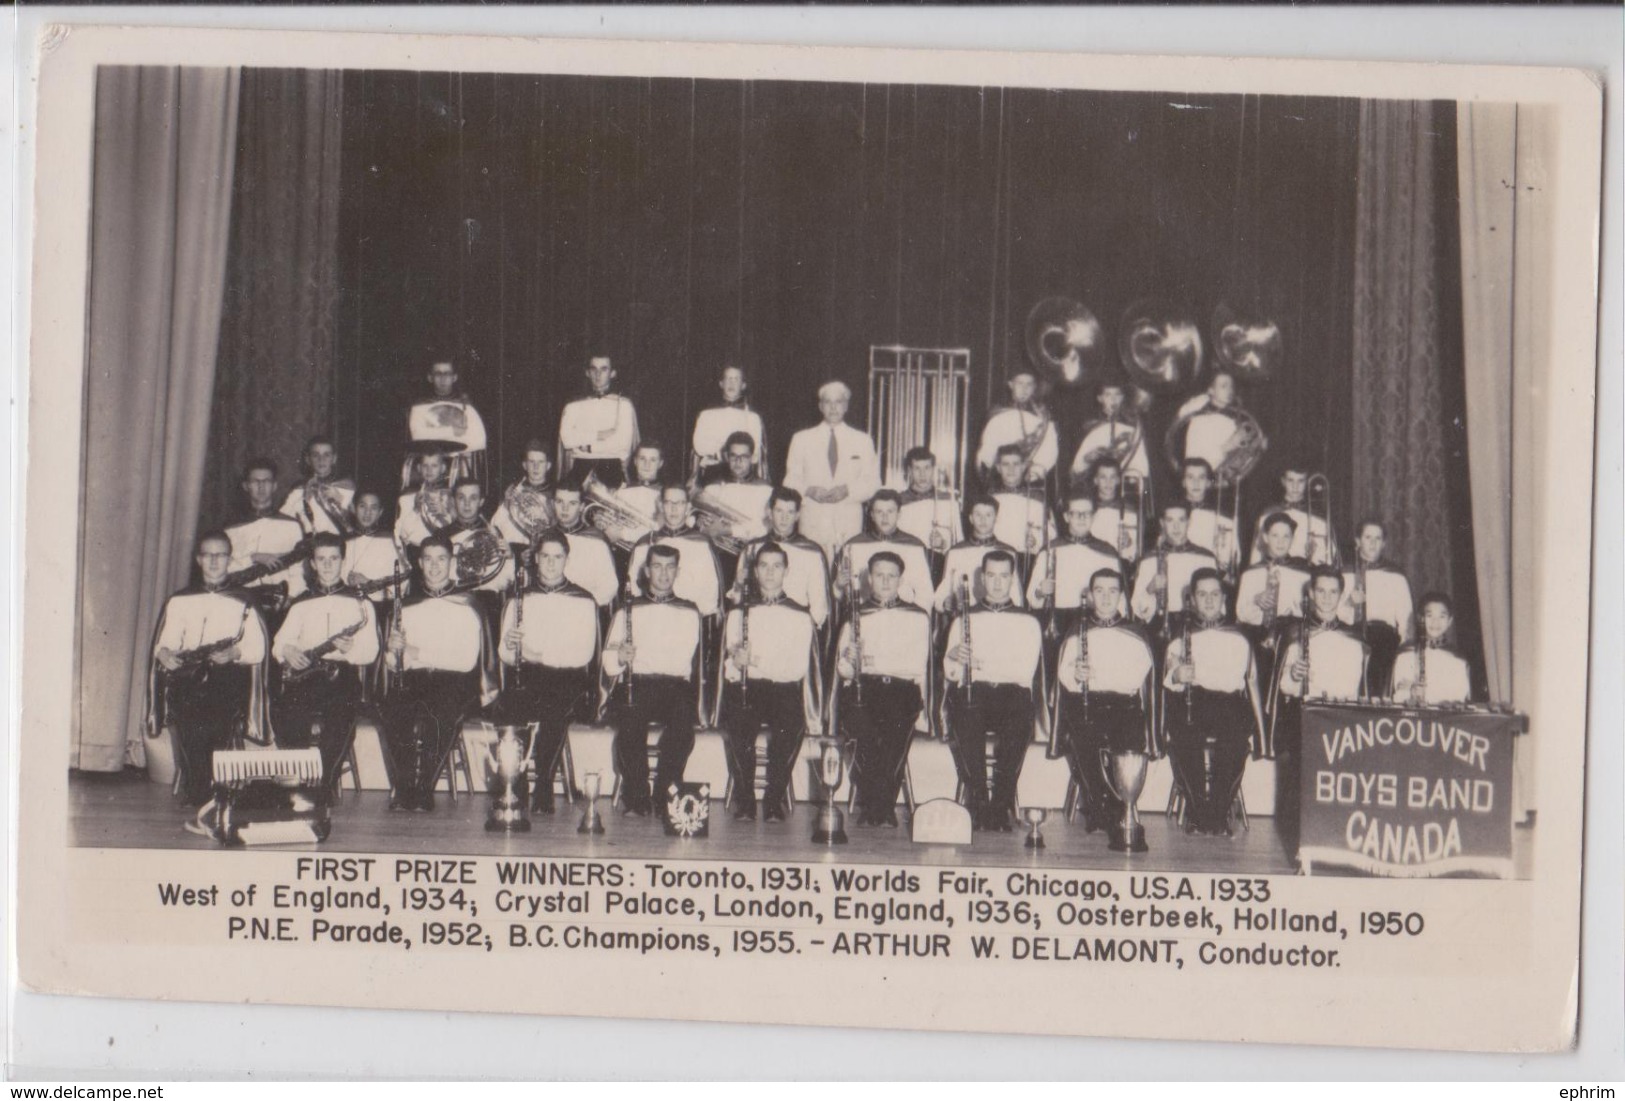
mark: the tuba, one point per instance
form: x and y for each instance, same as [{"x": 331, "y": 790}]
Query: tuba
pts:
[{"x": 622, "y": 524}]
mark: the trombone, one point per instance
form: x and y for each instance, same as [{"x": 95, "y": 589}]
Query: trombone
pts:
[
  {"x": 1318, "y": 491},
  {"x": 1131, "y": 533},
  {"x": 1226, "y": 523}
]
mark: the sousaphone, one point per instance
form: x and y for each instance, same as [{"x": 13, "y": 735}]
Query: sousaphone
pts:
[{"x": 1065, "y": 340}]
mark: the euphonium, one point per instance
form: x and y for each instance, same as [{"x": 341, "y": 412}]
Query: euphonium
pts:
[
  {"x": 725, "y": 524},
  {"x": 622, "y": 524}
]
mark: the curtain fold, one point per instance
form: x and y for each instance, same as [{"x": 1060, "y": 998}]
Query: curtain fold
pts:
[
  {"x": 1400, "y": 459},
  {"x": 277, "y": 325},
  {"x": 163, "y": 145}
]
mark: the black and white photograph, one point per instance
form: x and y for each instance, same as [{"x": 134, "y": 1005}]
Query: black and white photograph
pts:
[{"x": 798, "y": 513}]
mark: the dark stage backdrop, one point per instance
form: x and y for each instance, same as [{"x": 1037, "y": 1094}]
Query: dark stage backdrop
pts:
[{"x": 520, "y": 224}]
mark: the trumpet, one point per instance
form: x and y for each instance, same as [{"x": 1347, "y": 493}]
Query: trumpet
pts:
[
  {"x": 726, "y": 525},
  {"x": 1130, "y": 531},
  {"x": 1318, "y": 486},
  {"x": 622, "y": 524}
]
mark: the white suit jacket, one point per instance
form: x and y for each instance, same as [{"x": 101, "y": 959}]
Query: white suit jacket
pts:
[{"x": 857, "y": 468}]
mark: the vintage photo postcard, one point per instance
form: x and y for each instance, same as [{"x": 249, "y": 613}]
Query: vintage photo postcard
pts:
[{"x": 938, "y": 540}]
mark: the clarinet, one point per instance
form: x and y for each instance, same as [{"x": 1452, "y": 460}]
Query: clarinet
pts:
[
  {"x": 1303, "y": 648},
  {"x": 1189, "y": 658},
  {"x": 1051, "y": 627},
  {"x": 1084, "y": 615},
  {"x": 857, "y": 640},
  {"x": 1162, "y": 593},
  {"x": 1421, "y": 689},
  {"x": 964, "y": 613},
  {"x": 744, "y": 644},
  {"x": 519, "y": 583},
  {"x": 629, "y": 641}
]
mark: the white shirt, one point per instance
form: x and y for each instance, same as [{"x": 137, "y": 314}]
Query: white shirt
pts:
[
  {"x": 1119, "y": 661},
  {"x": 1024, "y": 521},
  {"x": 592, "y": 566},
  {"x": 713, "y": 427},
  {"x": 272, "y": 533},
  {"x": 915, "y": 586},
  {"x": 1206, "y": 435},
  {"x": 1075, "y": 564},
  {"x": 199, "y": 619},
  {"x": 938, "y": 513},
  {"x": 442, "y": 634},
  {"x": 409, "y": 526},
  {"x": 748, "y": 500},
  {"x": 373, "y": 557},
  {"x": 1109, "y": 528},
  {"x": 781, "y": 641},
  {"x": 1221, "y": 660},
  {"x": 314, "y": 620},
  {"x": 664, "y": 636},
  {"x": 1255, "y": 580},
  {"x": 1448, "y": 678},
  {"x": 584, "y": 418},
  {"x": 1181, "y": 564},
  {"x": 1012, "y": 425},
  {"x": 965, "y": 560},
  {"x": 1336, "y": 666},
  {"x": 560, "y": 629},
  {"x": 315, "y": 518},
  {"x": 896, "y": 643},
  {"x": 1387, "y": 600},
  {"x": 1214, "y": 533},
  {"x": 1005, "y": 647},
  {"x": 856, "y": 467}
]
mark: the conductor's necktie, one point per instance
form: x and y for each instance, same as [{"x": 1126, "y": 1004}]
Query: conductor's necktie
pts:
[{"x": 834, "y": 453}]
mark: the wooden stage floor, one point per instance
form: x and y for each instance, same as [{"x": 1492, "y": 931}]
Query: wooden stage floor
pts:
[{"x": 126, "y": 811}]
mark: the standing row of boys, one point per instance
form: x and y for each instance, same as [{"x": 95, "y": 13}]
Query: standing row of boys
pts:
[{"x": 716, "y": 598}]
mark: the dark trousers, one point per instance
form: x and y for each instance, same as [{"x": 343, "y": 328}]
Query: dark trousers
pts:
[
  {"x": 882, "y": 727},
  {"x": 207, "y": 711},
  {"x": 666, "y": 700},
  {"x": 550, "y": 698},
  {"x": 746, "y": 709},
  {"x": 1288, "y": 768},
  {"x": 1384, "y": 643},
  {"x": 1006, "y": 712},
  {"x": 421, "y": 716},
  {"x": 1208, "y": 751},
  {"x": 319, "y": 710},
  {"x": 1110, "y": 724}
]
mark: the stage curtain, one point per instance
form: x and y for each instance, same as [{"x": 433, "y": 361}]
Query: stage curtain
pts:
[
  {"x": 273, "y": 387},
  {"x": 163, "y": 147},
  {"x": 1400, "y": 345},
  {"x": 1506, "y": 237}
]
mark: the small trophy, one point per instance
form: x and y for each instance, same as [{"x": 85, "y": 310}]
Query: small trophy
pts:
[
  {"x": 831, "y": 826},
  {"x": 1034, "y": 817},
  {"x": 591, "y": 820}
]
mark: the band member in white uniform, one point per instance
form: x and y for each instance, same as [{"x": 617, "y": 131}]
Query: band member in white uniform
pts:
[
  {"x": 531, "y": 496},
  {"x": 432, "y": 474},
  {"x": 1211, "y": 711},
  {"x": 654, "y": 677},
  {"x": 1210, "y": 421},
  {"x": 1109, "y": 720},
  {"x": 699, "y": 577},
  {"x": 1312, "y": 539},
  {"x": 1273, "y": 588},
  {"x": 1377, "y": 601},
  {"x": 600, "y": 431},
  {"x": 739, "y": 494},
  {"x": 834, "y": 468},
  {"x": 326, "y": 645},
  {"x": 448, "y": 416},
  {"x": 591, "y": 563},
  {"x": 806, "y": 578},
  {"x": 964, "y": 560},
  {"x": 1026, "y": 423},
  {"x": 268, "y": 544},
  {"x": 770, "y": 679},
  {"x": 1319, "y": 660},
  {"x": 207, "y": 679},
  {"x": 371, "y": 554},
  {"x": 1119, "y": 434},
  {"x": 323, "y": 503},
  {"x": 996, "y": 688},
  {"x": 641, "y": 493},
  {"x": 1428, "y": 671},
  {"x": 713, "y": 427},
  {"x": 1163, "y": 576},
  {"x": 467, "y": 503},
  {"x": 440, "y": 668},
  {"x": 549, "y": 654},
  {"x": 890, "y": 651},
  {"x": 884, "y": 535},
  {"x": 930, "y": 509},
  {"x": 1208, "y": 529},
  {"x": 1112, "y": 524},
  {"x": 1024, "y": 520},
  {"x": 1074, "y": 559}
]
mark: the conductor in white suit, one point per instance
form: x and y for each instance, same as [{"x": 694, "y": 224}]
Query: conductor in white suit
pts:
[{"x": 836, "y": 471}]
